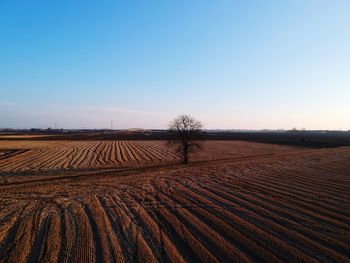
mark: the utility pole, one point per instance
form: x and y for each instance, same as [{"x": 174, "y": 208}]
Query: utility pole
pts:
[
  {"x": 55, "y": 125},
  {"x": 111, "y": 124}
]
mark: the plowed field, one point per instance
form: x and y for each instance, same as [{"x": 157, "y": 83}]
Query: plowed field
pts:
[
  {"x": 57, "y": 155},
  {"x": 291, "y": 206}
]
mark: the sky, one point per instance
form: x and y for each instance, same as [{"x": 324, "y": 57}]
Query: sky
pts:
[{"x": 230, "y": 64}]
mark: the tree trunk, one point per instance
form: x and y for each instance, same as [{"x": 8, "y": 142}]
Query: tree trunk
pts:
[{"x": 185, "y": 154}]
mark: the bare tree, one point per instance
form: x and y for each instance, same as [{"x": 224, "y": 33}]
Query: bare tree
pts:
[{"x": 186, "y": 136}]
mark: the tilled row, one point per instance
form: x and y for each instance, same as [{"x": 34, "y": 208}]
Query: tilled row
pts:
[
  {"x": 249, "y": 213},
  {"x": 84, "y": 155}
]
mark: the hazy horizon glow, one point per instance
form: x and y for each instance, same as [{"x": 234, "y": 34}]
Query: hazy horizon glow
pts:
[{"x": 230, "y": 64}]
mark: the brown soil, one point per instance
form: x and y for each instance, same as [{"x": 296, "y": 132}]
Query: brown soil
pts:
[
  {"x": 254, "y": 205},
  {"x": 57, "y": 155}
]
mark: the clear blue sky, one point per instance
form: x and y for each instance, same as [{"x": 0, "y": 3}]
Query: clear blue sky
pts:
[{"x": 232, "y": 64}]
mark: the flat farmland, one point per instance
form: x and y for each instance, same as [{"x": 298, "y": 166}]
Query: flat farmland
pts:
[
  {"x": 24, "y": 155},
  {"x": 236, "y": 202},
  {"x": 51, "y": 155},
  {"x": 288, "y": 207}
]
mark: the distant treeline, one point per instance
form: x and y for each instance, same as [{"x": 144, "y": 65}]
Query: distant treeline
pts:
[{"x": 319, "y": 139}]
